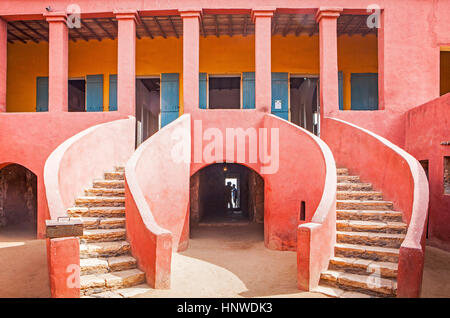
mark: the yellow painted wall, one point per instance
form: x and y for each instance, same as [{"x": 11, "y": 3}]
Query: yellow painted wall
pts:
[{"x": 224, "y": 55}]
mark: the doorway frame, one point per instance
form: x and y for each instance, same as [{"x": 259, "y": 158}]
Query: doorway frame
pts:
[
  {"x": 302, "y": 75},
  {"x": 208, "y": 76}
]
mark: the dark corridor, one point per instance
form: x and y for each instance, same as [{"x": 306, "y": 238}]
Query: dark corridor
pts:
[{"x": 212, "y": 202}]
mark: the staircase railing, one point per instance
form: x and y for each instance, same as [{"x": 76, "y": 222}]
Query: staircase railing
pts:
[
  {"x": 402, "y": 180},
  {"x": 157, "y": 199}
]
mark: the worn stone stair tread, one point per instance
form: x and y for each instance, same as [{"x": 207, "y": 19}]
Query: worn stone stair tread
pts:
[
  {"x": 104, "y": 234},
  {"x": 109, "y": 184},
  {"x": 112, "y": 280},
  {"x": 97, "y": 249},
  {"x": 363, "y": 205},
  {"x": 134, "y": 290},
  {"x": 385, "y": 254},
  {"x": 371, "y": 226},
  {"x": 93, "y": 265},
  {"x": 354, "y": 186},
  {"x": 114, "y": 175},
  {"x": 347, "y": 178},
  {"x": 339, "y": 293},
  {"x": 342, "y": 171},
  {"x": 122, "y": 262},
  {"x": 383, "y": 269},
  {"x": 111, "y": 192},
  {"x": 101, "y": 222},
  {"x": 368, "y": 283},
  {"x": 97, "y": 211},
  {"x": 119, "y": 168},
  {"x": 393, "y": 240},
  {"x": 369, "y": 215},
  {"x": 355, "y": 195},
  {"x": 99, "y": 198}
]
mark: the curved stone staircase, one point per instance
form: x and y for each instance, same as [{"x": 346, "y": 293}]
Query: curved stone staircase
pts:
[
  {"x": 369, "y": 235},
  {"x": 107, "y": 267}
]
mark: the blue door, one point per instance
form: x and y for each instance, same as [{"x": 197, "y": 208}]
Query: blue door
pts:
[
  {"x": 248, "y": 90},
  {"x": 94, "y": 93},
  {"x": 112, "y": 92},
  {"x": 169, "y": 98},
  {"x": 42, "y": 94},
  {"x": 280, "y": 95},
  {"x": 202, "y": 90},
  {"x": 364, "y": 91}
]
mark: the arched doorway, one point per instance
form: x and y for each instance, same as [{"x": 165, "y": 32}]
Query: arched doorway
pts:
[
  {"x": 226, "y": 193},
  {"x": 18, "y": 199}
]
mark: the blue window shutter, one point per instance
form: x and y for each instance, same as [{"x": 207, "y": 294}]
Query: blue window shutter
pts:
[
  {"x": 112, "y": 92},
  {"x": 364, "y": 91},
  {"x": 42, "y": 94},
  {"x": 169, "y": 98},
  {"x": 280, "y": 93},
  {"x": 248, "y": 90},
  {"x": 94, "y": 93},
  {"x": 341, "y": 90},
  {"x": 202, "y": 91}
]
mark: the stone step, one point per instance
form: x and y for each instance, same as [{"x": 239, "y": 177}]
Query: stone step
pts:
[
  {"x": 371, "y": 226},
  {"x": 371, "y": 239},
  {"x": 109, "y": 211},
  {"x": 95, "y": 283},
  {"x": 104, "y": 249},
  {"x": 363, "y": 205},
  {"x": 105, "y": 192},
  {"x": 376, "y": 253},
  {"x": 342, "y": 171},
  {"x": 371, "y": 285},
  {"x": 338, "y": 293},
  {"x": 110, "y": 184},
  {"x": 347, "y": 179},
  {"x": 93, "y": 201},
  {"x": 369, "y": 215},
  {"x": 105, "y": 265},
  {"x": 124, "y": 292},
  {"x": 352, "y": 186},
  {"x": 119, "y": 168},
  {"x": 101, "y": 222},
  {"x": 364, "y": 267},
  {"x": 115, "y": 175},
  {"x": 104, "y": 235},
  {"x": 359, "y": 195}
]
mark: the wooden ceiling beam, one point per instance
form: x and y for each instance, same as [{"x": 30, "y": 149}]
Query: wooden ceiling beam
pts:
[
  {"x": 301, "y": 26},
  {"x": 245, "y": 25},
  {"x": 346, "y": 25},
  {"x": 147, "y": 30},
  {"x": 288, "y": 25},
  {"x": 355, "y": 29},
  {"x": 16, "y": 37},
  {"x": 23, "y": 32},
  {"x": 91, "y": 30},
  {"x": 159, "y": 27},
  {"x": 81, "y": 35},
  {"x": 42, "y": 36},
  {"x": 217, "y": 25},
  {"x": 173, "y": 26},
  {"x": 202, "y": 27},
  {"x": 274, "y": 25},
  {"x": 104, "y": 29},
  {"x": 230, "y": 25}
]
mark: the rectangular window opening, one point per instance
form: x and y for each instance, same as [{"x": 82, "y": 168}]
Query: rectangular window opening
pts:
[
  {"x": 445, "y": 72},
  {"x": 303, "y": 211},
  {"x": 77, "y": 95},
  {"x": 446, "y": 175},
  {"x": 224, "y": 92}
]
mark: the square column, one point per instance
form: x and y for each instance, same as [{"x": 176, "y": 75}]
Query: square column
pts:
[
  {"x": 191, "y": 59},
  {"x": 126, "y": 61},
  {"x": 329, "y": 83},
  {"x": 58, "y": 53},
  {"x": 263, "y": 58},
  {"x": 3, "y": 63}
]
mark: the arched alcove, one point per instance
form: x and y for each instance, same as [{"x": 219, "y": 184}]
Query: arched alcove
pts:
[{"x": 18, "y": 198}]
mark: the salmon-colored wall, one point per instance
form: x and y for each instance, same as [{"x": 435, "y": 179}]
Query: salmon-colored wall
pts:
[{"x": 223, "y": 55}]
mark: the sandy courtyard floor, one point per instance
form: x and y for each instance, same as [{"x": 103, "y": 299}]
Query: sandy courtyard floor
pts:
[{"x": 220, "y": 262}]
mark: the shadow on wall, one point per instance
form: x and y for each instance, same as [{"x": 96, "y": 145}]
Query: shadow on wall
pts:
[{"x": 18, "y": 198}]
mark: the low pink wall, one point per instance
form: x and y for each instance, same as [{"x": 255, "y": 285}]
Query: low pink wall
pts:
[
  {"x": 402, "y": 180},
  {"x": 63, "y": 258},
  {"x": 29, "y": 138},
  {"x": 157, "y": 199},
  {"x": 427, "y": 126},
  {"x": 73, "y": 165}
]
